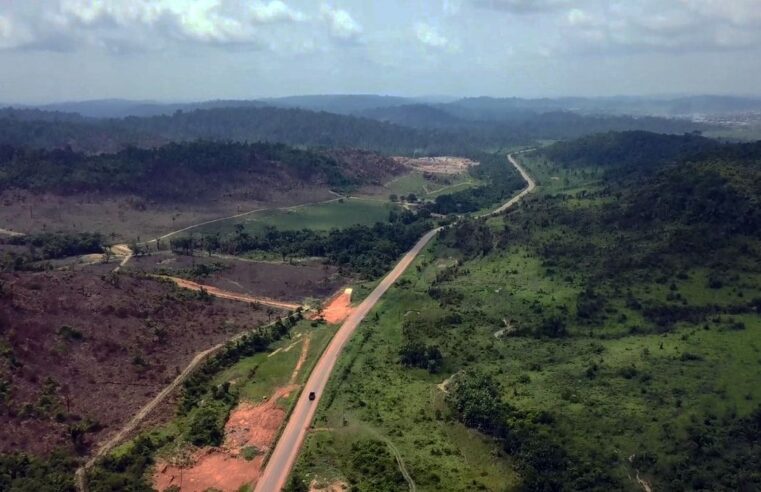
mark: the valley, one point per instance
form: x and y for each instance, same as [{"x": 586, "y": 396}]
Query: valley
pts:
[{"x": 578, "y": 314}]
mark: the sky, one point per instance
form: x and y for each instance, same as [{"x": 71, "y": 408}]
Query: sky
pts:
[{"x": 183, "y": 50}]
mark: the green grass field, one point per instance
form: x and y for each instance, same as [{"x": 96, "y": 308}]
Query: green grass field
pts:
[
  {"x": 321, "y": 217},
  {"x": 429, "y": 188}
]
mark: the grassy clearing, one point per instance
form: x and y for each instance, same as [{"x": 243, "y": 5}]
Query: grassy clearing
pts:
[
  {"x": 320, "y": 217},
  {"x": 429, "y": 186}
]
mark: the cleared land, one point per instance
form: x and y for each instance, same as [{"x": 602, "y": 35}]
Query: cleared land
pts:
[
  {"x": 83, "y": 349},
  {"x": 274, "y": 280},
  {"x": 437, "y": 165},
  {"x": 267, "y": 384}
]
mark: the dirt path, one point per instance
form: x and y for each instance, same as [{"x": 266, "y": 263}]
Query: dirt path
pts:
[
  {"x": 224, "y": 294},
  {"x": 287, "y": 449},
  {"x": 106, "y": 447},
  {"x": 302, "y": 358},
  {"x": 399, "y": 460}
]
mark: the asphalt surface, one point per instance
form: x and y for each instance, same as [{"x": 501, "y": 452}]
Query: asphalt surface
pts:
[{"x": 288, "y": 446}]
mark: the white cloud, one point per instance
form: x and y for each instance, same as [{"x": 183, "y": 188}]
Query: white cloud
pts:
[
  {"x": 739, "y": 12},
  {"x": 523, "y": 6},
  {"x": 658, "y": 26},
  {"x": 275, "y": 11},
  {"x": 430, "y": 37},
  {"x": 148, "y": 24},
  {"x": 341, "y": 24}
]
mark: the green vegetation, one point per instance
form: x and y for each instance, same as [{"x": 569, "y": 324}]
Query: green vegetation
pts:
[
  {"x": 177, "y": 171},
  {"x": 500, "y": 181},
  {"x": 427, "y": 185},
  {"x": 23, "y": 473},
  {"x": 466, "y": 126},
  {"x": 336, "y": 214},
  {"x": 368, "y": 251},
  {"x": 605, "y": 329},
  {"x": 48, "y": 246}
]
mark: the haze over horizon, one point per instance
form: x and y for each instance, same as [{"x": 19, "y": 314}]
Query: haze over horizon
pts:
[{"x": 182, "y": 50}]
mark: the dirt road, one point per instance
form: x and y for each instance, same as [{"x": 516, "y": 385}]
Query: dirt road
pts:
[
  {"x": 287, "y": 449},
  {"x": 224, "y": 294}
]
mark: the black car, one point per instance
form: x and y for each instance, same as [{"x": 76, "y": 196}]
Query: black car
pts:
[{"x": 312, "y": 396}]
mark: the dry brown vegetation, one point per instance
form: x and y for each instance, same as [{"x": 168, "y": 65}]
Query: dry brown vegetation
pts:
[
  {"x": 281, "y": 281},
  {"x": 81, "y": 353}
]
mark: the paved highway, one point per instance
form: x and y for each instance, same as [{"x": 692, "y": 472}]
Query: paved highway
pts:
[{"x": 288, "y": 446}]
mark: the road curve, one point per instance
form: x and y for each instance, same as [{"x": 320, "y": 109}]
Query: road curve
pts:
[{"x": 288, "y": 446}]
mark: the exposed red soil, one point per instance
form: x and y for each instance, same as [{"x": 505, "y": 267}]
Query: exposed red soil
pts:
[
  {"x": 189, "y": 284},
  {"x": 225, "y": 468},
  {"x": 339, "y": 308},
  {"x": 281, "y": 281},
  {"x": 126, "y": 339}
]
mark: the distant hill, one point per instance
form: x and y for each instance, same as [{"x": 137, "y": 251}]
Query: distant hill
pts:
[
  {"x": 341, "y": 104},
  {"x": 407, "y": 129},
  {"x": 122, "y": 108},
  {"x": 415, "y": 116},
  {"x": 635, "y": 149}
]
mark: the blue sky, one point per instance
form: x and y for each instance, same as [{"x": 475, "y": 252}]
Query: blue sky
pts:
[{"x": 53, "y": 50}]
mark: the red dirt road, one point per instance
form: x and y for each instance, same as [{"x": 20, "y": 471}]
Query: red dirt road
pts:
[
  {"x": 287, "y": 449},
  {"x": 189, "y": 284}
]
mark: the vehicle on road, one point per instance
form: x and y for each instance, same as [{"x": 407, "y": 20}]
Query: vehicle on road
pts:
[{"x": 312, "y": 396}]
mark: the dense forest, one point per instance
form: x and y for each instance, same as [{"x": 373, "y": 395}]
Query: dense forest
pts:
[
  {"x": 666, "y": 242},
  {"x": 427, "y": 129},
  {"x": 181, "y": 171}
]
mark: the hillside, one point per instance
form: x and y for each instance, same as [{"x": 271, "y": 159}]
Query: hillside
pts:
[
  {"x": 188, "y": 171},
  {"x": 82, "y": 353},
  {"x": 605, "y": 334},
  {"x": 396, "y": 129}
]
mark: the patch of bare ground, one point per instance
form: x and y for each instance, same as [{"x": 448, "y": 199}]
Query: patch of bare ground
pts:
[
  {"x": 437, "y": 165},
  {"x": 338, "y": 308},
  {"x": 281, "y": 281},
  {"x": 88, "y": 351},
  {"x": 128, "y": 217},
  {"x": 250, "y": 432}
]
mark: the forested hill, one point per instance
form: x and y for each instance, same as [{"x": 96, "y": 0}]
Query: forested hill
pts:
[
  {"x": 428, "y": 129},
  {"x": 189, "y": 170},
  {"x": 711, "y": 188},
  {"x": 242, "y": 124}
]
